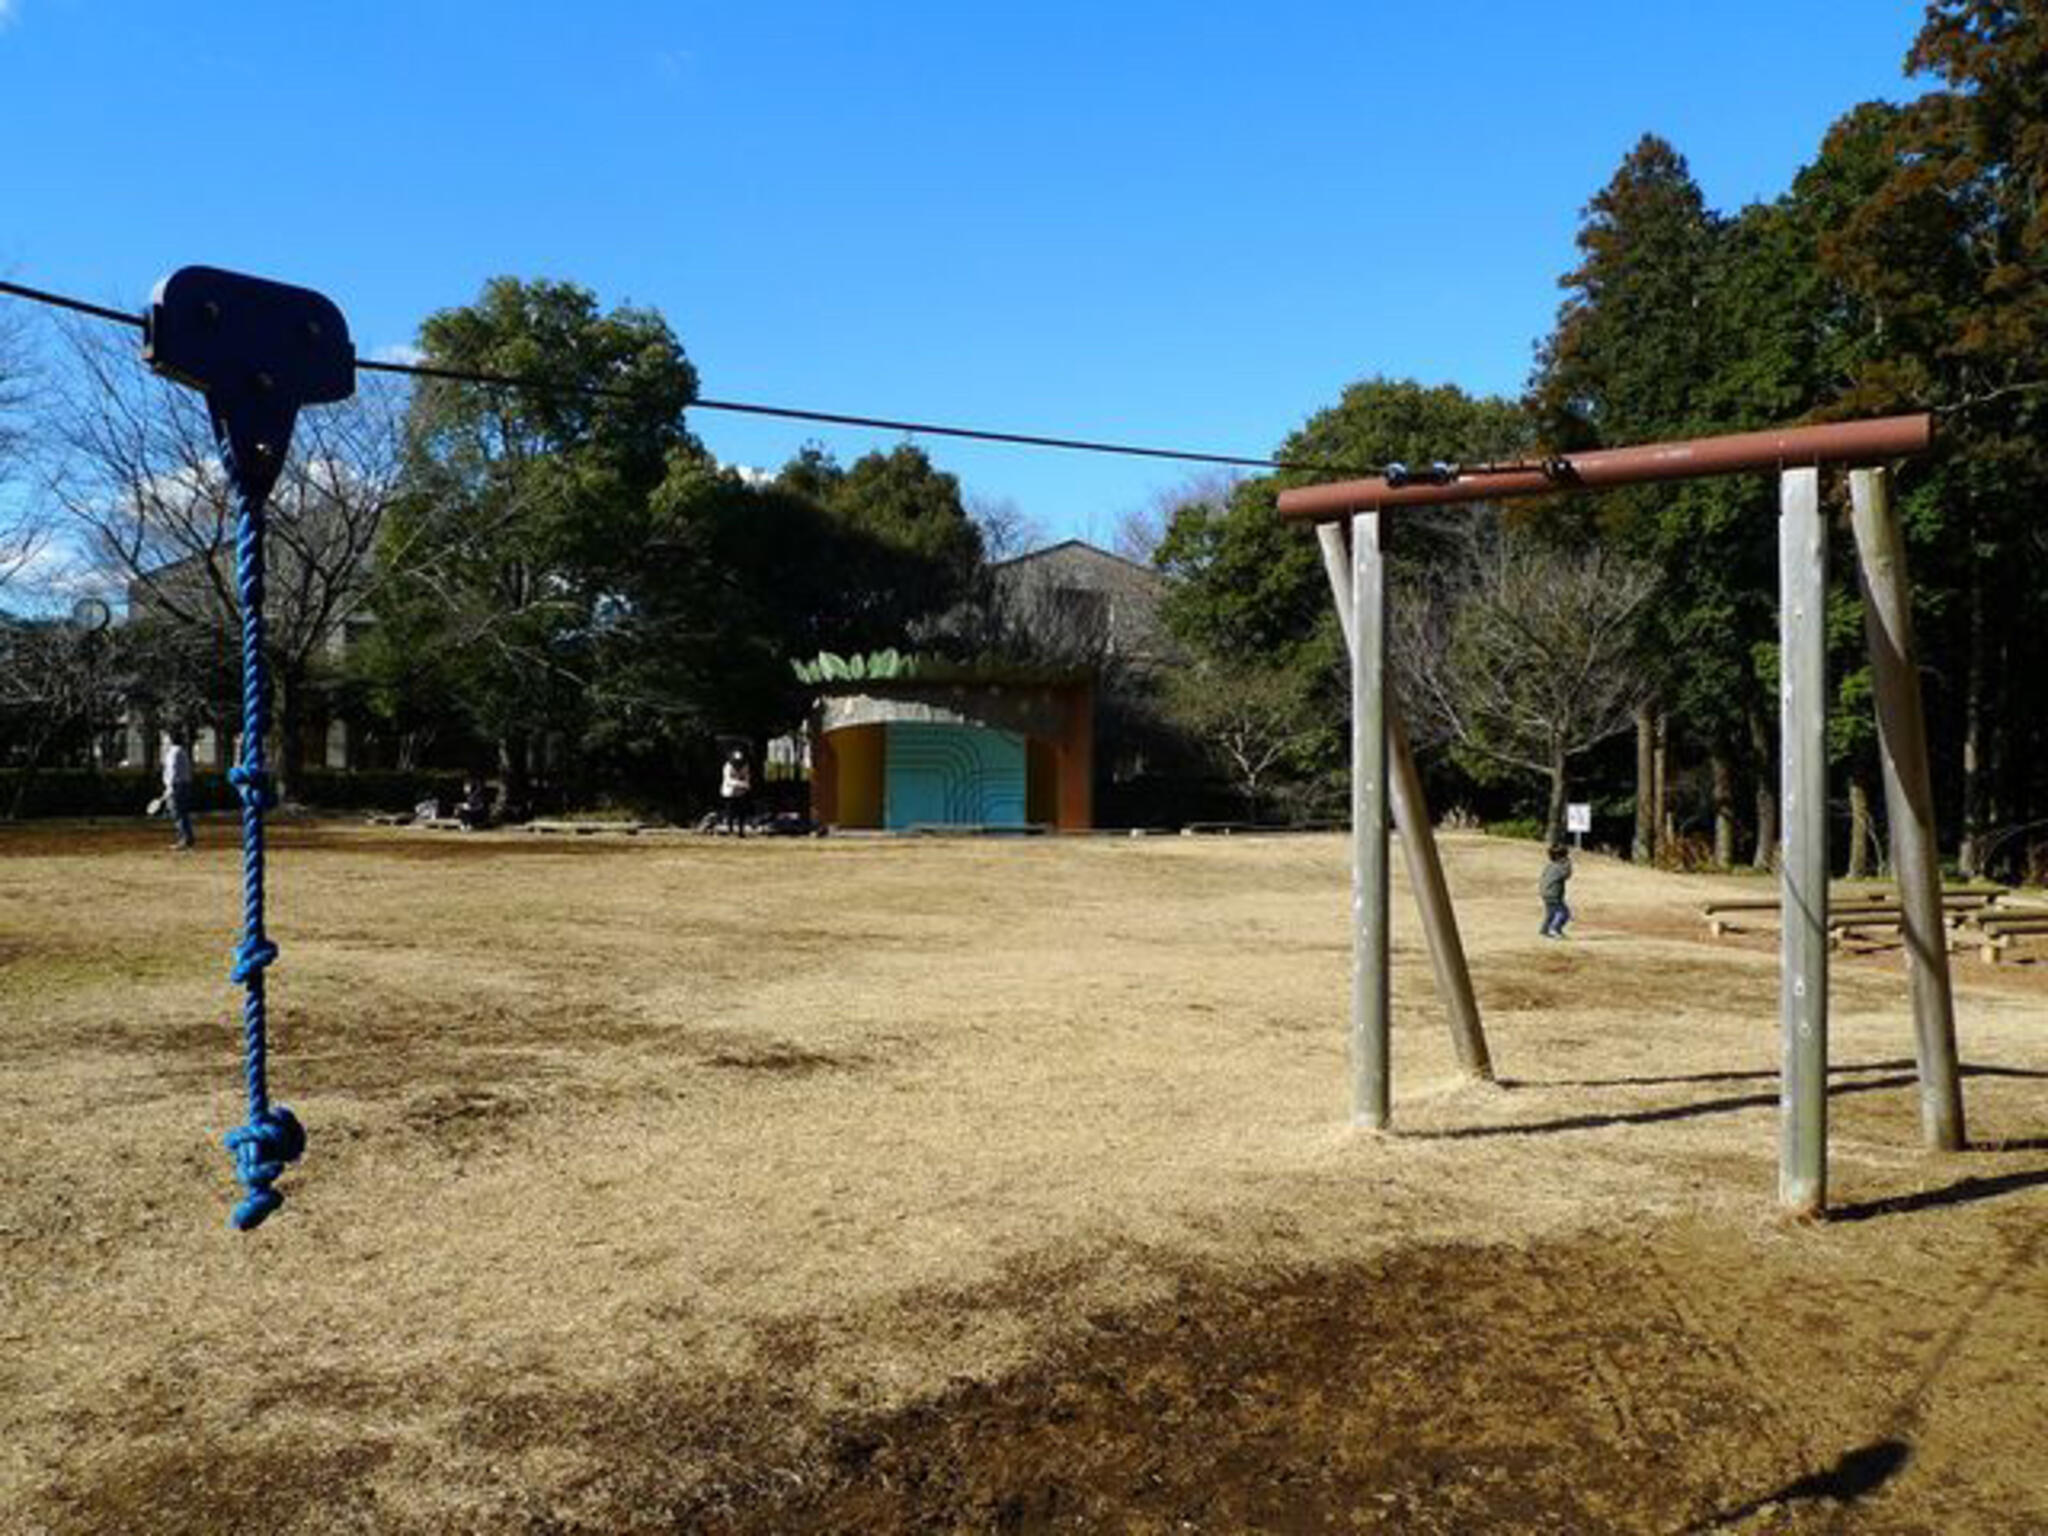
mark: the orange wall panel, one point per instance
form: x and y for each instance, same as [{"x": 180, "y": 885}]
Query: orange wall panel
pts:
[{"x": 858, "y": 760}]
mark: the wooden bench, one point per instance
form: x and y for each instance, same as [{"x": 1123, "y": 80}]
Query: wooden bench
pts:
[
  {"x": 1957, "y": 903},
  {"x": 1985, "y": 890},
  {"x": 1846, "y": 930},
  {"x": 585, "y": 828},
  {"x": 1998, "y": 932}
]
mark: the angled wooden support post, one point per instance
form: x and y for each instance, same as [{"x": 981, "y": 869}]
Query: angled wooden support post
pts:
[
  {"x": 1418, "y": 844},
  {"x": 1909, "y": 800},
  {"x": 1803, "y": 968},
  {"x": 1371, "y": 993}
]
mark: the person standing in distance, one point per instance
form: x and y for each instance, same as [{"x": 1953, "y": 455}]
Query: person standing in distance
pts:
[
  {"x": 1551, "y": 887},
  {"x": 735, "y": 790},
  {"x": 178, "y": 793}
]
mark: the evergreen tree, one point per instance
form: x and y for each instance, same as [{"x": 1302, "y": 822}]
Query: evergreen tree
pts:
[
  {"x": 1631, "y": 360},
  {"x": 1947, "y": 256},
  {"x": 527, "y": 509}
]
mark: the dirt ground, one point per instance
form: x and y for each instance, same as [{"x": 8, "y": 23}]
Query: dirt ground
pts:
[{"x": 871, "y": 1185}]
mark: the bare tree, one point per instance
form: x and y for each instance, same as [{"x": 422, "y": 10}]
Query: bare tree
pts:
[
  {"x": 1523, "y": 656},
  {"x": 1253, "y": 720},
  {"x": 24, "y": 529},
  {"x": 137, "y": 478},
  {"x": 1140, "y": 530},
  {"x": 24, "y": 540},
  {"x": 60, "y": 685},
  {"x": 1006, "y": 531}
]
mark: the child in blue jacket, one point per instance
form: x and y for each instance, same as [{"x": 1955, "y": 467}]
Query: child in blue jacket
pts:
[{"x": 1559, "y": 870}]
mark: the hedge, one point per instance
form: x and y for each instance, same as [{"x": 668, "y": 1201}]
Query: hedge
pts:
[{"x": 118, "y": 792}]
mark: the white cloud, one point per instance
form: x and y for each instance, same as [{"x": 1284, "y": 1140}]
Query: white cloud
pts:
[
  {"x": 46, "y": 578},
  {"x": 392, "y": 351}
]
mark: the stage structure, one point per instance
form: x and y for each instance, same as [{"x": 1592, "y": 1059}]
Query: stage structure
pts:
[{"x": 1379, "y": 744}]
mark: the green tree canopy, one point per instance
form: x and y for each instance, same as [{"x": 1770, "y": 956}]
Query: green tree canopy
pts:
[
  {"x": 909, "y": 549},
  {"x": 1250, "y": 596},
  {"x": 527, "y": 509},
  {"x": 1249, "y": 584},
  {"x": 737, "y": 578}
]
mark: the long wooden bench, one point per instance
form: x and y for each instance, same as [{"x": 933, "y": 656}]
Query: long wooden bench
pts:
[
  {"x": 1951, "y": 897},
  {"x": 1956, "y": 904},
  {"x": 2013, "y": 915},
  {"x": 1988, "y": 889},
  {"x": 1998, "y": 933}
]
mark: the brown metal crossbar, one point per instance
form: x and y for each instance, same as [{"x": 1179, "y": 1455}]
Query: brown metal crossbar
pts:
[{"x": 1846, "y": 442}]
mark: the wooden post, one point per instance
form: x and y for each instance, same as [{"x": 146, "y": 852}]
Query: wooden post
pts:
[
  {"x": 1803, "y": 872},
  {"x": 1418, "y": 844},
  {"x": 1909, "y": 801},
  {"x": 1371, "y": 995}
]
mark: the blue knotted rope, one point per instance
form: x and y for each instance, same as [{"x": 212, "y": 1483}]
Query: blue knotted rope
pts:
[
  {"x": 259, "y": 351},
  {"x": 271, "y": 1138}
]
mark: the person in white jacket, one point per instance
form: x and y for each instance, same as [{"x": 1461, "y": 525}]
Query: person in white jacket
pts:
[
  {"x": 178, "y": 793},
  {"x": 735, "y": 792}
]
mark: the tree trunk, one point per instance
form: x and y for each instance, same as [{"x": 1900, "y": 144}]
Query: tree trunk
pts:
[
  {"x": 1764, "y": 763},
  {"x": 1644, "y": 848},
  {"x": 25, "y": 775},
  {"x": 512, "y": 768},
  {"x": 1660, "y": 786},
  {"x": 1970, "y": 856},
  {"x": 30, "y": 765},
  {"x": 1721, "y": 763},
  {"x": 1862, "y": 835},
  {"x": 289, "y": 760},
  {"x": 1553, "y": 824},
  {"x": 2001, "y": 803}
]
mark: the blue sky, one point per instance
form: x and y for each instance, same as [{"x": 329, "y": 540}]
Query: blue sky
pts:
[{"x": 1159, "y": 223}]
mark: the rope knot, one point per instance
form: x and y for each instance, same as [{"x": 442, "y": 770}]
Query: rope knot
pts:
[
  {"x": 251, "y": 957},
  {"x": 262, "y": 1149},
  {"x": 254, "y": 786}
]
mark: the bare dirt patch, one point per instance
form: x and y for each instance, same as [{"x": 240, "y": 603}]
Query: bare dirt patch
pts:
[{"x": 682, "y": 1185}]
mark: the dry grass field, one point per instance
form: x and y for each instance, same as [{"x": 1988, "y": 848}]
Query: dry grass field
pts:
[{"x": 689, "y": 1185}]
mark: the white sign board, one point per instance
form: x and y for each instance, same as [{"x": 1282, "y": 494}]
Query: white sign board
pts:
[{"x": 1578, "y": 818}]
